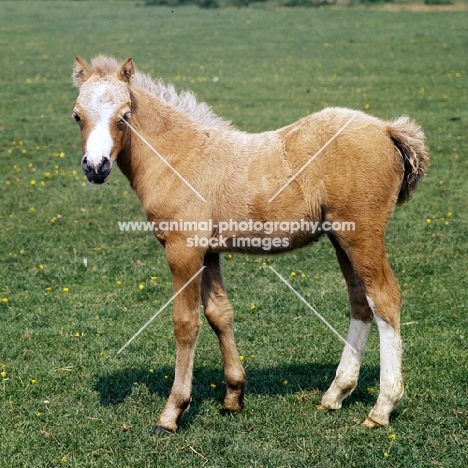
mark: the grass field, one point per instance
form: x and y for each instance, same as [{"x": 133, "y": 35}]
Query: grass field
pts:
[{"x": 68, "y": 399}]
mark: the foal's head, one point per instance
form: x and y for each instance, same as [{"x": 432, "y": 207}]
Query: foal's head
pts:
[{"x": 100, "y": 110}]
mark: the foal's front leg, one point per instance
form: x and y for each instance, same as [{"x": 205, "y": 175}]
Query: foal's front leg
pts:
[
  {"x": 184, "y": 263},
  {"x": 220, "y": 317}
]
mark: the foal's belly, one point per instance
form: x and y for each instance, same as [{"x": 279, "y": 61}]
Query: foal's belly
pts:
[{"x": 265, "y": 241}]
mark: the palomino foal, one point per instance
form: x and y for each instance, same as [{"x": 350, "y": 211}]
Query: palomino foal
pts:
[{"x": 335, "y": 166}]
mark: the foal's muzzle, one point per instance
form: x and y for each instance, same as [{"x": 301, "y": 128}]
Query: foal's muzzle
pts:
[{"x": 97, "y": 173}]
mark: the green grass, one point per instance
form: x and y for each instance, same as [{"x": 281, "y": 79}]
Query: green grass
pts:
[{"x": 92, "y": 407}]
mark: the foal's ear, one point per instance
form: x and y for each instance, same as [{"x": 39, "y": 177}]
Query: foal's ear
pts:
[
  {"x": 81, "y": 72},
  {"x": 127, "y": 70}
]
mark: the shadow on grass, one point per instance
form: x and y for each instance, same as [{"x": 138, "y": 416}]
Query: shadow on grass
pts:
[{"x": 114, "y": 388}]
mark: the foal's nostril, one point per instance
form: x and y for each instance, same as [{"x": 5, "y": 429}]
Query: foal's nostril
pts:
[
  {"x": 84, "y": 164},
  {"x": 106, "y": 166}
]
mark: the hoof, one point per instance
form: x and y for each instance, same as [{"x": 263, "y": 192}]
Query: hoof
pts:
[
  {"x": 226, "y": 412},
  {"x": 371, "y": 423},
  {"x": 322, "y": 407},
  {"x": 161, "y": 430}
]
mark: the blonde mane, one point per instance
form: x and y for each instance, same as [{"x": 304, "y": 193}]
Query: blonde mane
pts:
[{"x": 184, "y": 102}]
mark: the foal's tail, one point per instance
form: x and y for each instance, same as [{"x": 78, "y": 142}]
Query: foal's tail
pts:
[{"x": 408, "y": 137}]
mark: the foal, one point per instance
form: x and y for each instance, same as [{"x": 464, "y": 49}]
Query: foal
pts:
[{"x": 186, "y": 163}]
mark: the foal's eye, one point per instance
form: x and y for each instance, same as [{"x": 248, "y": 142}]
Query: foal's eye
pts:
[
  {"x": 76, "y": 117},
  {"x": 125, "y": 117}
]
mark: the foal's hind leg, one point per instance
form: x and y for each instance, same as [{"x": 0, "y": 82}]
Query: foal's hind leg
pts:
[
  {"x": 220, "y": 316},
  {"x": 368, "y": 257},
  {"x": 361, "y": 318}
]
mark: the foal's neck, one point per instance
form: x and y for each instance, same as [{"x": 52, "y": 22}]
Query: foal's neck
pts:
[{"x": 171, "y": 135}]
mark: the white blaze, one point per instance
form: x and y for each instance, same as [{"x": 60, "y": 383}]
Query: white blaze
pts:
[{"x": 100, "y": 143}]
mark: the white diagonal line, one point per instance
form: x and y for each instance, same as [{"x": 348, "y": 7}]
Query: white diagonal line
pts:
[
  {"x": 161, "y": 309},
  {"x": 185, "y": 181},
  {"x": 312, "y": 158},
  {"x": 312, "y": 309}
]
